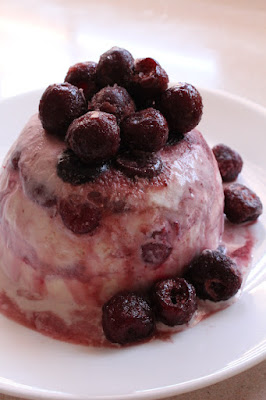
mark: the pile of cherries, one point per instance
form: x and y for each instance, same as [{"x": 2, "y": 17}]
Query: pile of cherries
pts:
[
  {"x": 118, "y": 110},
  {"x": 130, "y": 317},
  {"x": 122, "y": 111}
]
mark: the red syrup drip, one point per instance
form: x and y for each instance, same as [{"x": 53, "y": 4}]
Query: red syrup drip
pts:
[
  {"x": 50, "y": 325},
  {"x": 239, "y": 241},
  {"x": 244, "y": 252}
]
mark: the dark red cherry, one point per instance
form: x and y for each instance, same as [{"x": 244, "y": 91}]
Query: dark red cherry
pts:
[
  {"x": 80, "y": 218},
  {"x": 149, "y": 79},
  {"x": 114, "y": 100},
  {"x": 94, "y": 137},
  {"x": 182, "y": 107},
  {"x": 174, "y": 301},
  {"x": 127, "y": 318},
  {"x": 155, "y": 253},
  {"x": 229, "y": 162},
  {"x": 241, "y": 204},
  {"x": 214, "y": 275},
  {"x": 115, "y": 66},
  {"x": 142, "y": 164},
  {"x": 60, "y": 104},
  {"x": 72, "y": 170},
  {"x": 83, "y": 75},
  {"x": 145, "y": 130}
]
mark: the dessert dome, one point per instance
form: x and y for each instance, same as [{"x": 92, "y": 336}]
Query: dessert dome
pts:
[
  {"x": 66, "y": 249},
  {"x": 108, "y": 195}
]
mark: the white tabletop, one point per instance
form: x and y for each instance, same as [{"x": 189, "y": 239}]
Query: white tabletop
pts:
[{"x": 209, "y": 43}]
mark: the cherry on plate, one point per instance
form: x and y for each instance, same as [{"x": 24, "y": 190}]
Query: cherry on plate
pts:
[
  {"x": 127, "y": 318},
  {"x": 241, "y": 204},
  {"x": 174, "y": 300},
  {"x": 214, "y": 275},
  {"x": 229, "y": 162}
]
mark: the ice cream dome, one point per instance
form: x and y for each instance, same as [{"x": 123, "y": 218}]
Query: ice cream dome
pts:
[{"x": 108, "y": 195}]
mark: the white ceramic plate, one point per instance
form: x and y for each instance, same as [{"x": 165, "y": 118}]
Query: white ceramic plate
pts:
[{"x": 37, "y": 367}]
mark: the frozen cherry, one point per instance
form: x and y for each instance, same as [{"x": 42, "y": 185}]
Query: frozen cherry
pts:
[
  {"x": 114, "y": 100},
  {"x": 59, "y": 106},
  {"x": 115, "y": 66},
  {"x": 80, "y": 218},
  {"x": 174, "y": 301},
  {"x": 229, "y": 162},
  {"x": 149, "y": 79},
  {"x": 145, "y": 130},
  {"x": 214, "y": 275},
  {"x": 241, "y": 204},
  {"x": 94, "y": 137},
  {"x": 155, "y": 253},
  {"x": 157, "y": 248},
  {"x": 127, "y": 317},
  {"x": 144, "y": 165},
  {"x": 182, "y": 107},
  {"x": 83, "y": 75},
  {"x": 72, "y": 170}
]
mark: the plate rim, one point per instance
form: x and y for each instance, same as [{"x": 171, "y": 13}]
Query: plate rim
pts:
[
  {"x": 28, "y": 392},
  {"x": 25, "y": 392}
]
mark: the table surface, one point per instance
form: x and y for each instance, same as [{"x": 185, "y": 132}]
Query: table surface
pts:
[{"x": 210, "y": 43}]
